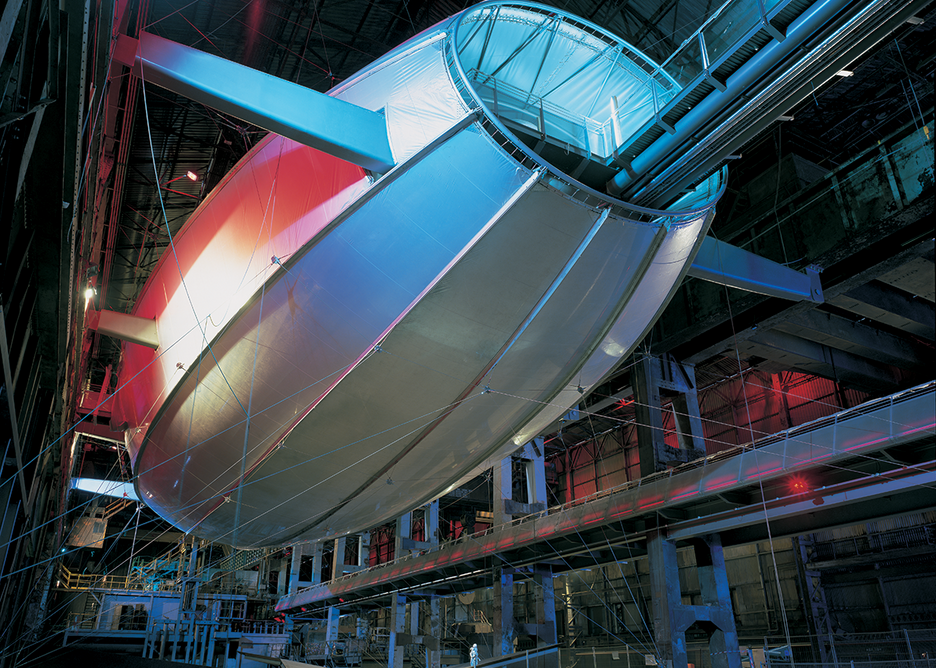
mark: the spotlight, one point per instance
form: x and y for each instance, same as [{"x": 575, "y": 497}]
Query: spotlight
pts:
[
  {"x": 191, "y": 175},
  {"x": 89, "y": 293},
  {"x": 798, "y": 485}
]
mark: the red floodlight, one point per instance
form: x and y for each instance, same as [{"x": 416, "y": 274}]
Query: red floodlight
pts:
[{"x": 798, "y": 485}]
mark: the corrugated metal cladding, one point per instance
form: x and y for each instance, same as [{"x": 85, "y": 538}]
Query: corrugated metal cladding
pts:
[{"x": 878, "y": 526}]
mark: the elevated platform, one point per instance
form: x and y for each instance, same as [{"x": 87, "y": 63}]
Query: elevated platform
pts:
[{"x": 875, "y": 460}]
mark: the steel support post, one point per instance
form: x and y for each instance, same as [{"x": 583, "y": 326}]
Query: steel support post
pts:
[
  {"x": 397, "y": 626},
  {"x": 815, "y": 596},
  {"x": 656, "y": 378},
  {"x": 433, "y": 649},
  {"x": 403, "y": 535},
  {"x": 282, "y": 580},
  {"x": 296, "y": 562},
  {"x": 414, "y": 618},
  {"x": 505, "y": 506},
  {"x": 570, "y": 608},
  {"x": 431, "y": 523},
  {"x": 503, "y": 611},
  {"x": 299, "y": 551},
  {"x": 338, "y": 557},
  {"x": 317, "y": 555},
  {"x": 363, "y": 548},
  {"x": 534, "y": 464},
  {"x": 331, "y": 630},
  {"x": 503, "y": 490},
  {"x": 672, "y": 618},
  {"x": 545, "y": 627},
  {"x": 716, "y": 597}
]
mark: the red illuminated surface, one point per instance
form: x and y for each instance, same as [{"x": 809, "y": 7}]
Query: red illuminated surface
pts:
[
  {"x": 731, "y": 412},
  {"x": 235, "y": 230}
]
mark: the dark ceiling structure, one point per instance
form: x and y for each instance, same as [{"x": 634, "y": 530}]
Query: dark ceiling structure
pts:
[{"x": 95, "y": 163}]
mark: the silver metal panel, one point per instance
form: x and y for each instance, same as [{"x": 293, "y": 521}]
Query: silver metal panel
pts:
[
  {"x": 391, "y": 434},
  {"x": 328, "y": 308},
  {"x": 362, "y": 356}
]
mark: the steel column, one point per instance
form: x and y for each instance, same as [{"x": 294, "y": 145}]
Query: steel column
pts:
[
  {"x": 545, "y": 612},
  {"x": 672, "y": 618},
  {"x": 363, "y": 549},
  {"x": 338, "y": 557},
  {"x": 433, "y": 650},
  {"x": 431, "y": 523},
  {"x": 295, "y": 564},
  {"x": 403, "y": 536},
  {"x": 503, "y": 490},
  {"x": 503, "y": 621},
  {"x": 331, "y": 631},
  {"x": 654, "y": 378},
  {"x": 397, "y": 626}
]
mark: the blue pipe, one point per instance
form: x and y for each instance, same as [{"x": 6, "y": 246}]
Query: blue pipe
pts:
[{"x": 665, "y": 148}]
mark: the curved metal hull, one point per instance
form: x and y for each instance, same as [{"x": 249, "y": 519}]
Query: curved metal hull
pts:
[{"x": 389, "y": 337}]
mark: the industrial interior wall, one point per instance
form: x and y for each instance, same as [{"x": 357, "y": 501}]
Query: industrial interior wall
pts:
[
  {"x": 749, "y": 406},
  {"x": 874, "y": 576}
]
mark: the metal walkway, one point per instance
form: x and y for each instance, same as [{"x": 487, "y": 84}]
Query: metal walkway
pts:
[
  {"x": 875, "y": 460},
  {"x": 747, "y": 65}
]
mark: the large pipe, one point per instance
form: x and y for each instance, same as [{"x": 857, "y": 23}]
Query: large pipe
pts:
[
  {"x": 664, "y": 150},
  {"x": 788, "y": 100}
]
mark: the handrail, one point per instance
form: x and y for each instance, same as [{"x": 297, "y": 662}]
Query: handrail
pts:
[
  {"x": 799, "y": 430},
  {"x": 82, "y": 581}
]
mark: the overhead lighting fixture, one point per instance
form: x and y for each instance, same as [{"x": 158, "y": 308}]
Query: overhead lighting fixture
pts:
[
  {"x": 89, "y": 293},
  {"x": 915, "y": 20},
  {"x": 844, "y": 73},
  {"x": 799, "y": 485},
  {"x": 190, "y": 175},
  {"x": 784, "y": 118}
]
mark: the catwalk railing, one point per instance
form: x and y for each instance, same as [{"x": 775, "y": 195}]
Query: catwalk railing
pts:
[
  {"x": 897, "y": 649},
  {"x": 874, "y": 425}
]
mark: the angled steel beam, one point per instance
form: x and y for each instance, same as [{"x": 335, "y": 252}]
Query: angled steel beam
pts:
[
  {"x": 876, "y": 299},
  {"x": 8, "y": 19},
  {"x": 333, "y": 126},
  {"x": 125, "y": 327},
  {"x": 11, "y": 405},
  {"x": 858, "y": 338},
  {"x": 722, "y": 263},
  {"x": 822, "y": 360}
]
